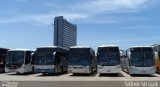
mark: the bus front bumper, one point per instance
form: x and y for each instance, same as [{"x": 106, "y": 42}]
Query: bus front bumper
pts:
[
  {"x": 44, "y": 69},
  {"x": 19, "y": 70},
  {"x": 109, "y": 69},
  {"x": 142, "y": 70},
  {"x": 79, "y": 69}
]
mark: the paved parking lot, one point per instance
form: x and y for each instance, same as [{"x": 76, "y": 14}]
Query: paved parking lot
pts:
[{"x": 80, "y": 77}]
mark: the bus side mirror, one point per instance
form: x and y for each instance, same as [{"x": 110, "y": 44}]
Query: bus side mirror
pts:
[
  {"x": 129, "y": 54},
  {"x": 155, "y": 55},
  {"x": 33, "y": 58},
  {"x": 54, "y": 53},
  {"x": 121, "y": 53}
]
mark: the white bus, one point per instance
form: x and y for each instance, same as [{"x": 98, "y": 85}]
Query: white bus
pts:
[
  {"x": 139, "y": 60},
  {"x": 19, "y": 61},
  {"x": 81, "y": 60},
  {"x": 50, "y": 59},
  {"x": 108, "y": 59}
]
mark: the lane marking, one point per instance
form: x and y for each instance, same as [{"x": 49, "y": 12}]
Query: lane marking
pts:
[{"x": 125, "y": 74}]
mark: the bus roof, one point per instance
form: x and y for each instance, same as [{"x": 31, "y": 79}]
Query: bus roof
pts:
[
  {"x": 109, "y": 46},
  {"x": 140, "y": 46},
  {"x": 52, "y": 47},
  {"x": 20, "y": 50},
  {"x": 4, "y": 48},
  {"x": 80, "y": 47}
]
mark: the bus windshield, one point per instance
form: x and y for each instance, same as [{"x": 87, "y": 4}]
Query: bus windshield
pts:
[
  {"x": 109, "y": 58},
  {"x": 136, "y": 60},
  {"x": 148, "y": 58},
  {"x": 79, "y": 59},
  {"x": 15, "y": 58},
  {"x": 44, "y": 59},
  {"x": 142, "y": 57},
  {"x": 84, "y": 59}
]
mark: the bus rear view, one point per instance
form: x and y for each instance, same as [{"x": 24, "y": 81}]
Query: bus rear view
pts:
[
  {"x": 81, "y": 60},
  {"x": 108, "y": 59},
  {"x": 141, "y": 60},
  {"x": 51, "y": 59}
]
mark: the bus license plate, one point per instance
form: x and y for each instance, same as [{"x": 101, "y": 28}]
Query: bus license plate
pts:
[
  {"x": 108, "y": 70},
  {"x": 143, "y": 71}
]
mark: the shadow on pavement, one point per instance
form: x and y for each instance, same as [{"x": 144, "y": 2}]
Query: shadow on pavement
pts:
[
  {"x": 111, "y": 75},
  {"x": 84, "y": 74},
  {"x": 51, "y": 74},
  {"x": 145, "y": 75},
  {"x": 21, "y": 74}
]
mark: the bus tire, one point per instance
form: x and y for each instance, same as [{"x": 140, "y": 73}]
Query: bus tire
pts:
[
  {"x": 44, "y": 74},
  {"x": 2, "y": 70},
  {"x": 158, "y": 70},
  {"x": 92, "y": 69},
  {"x": 18, "y": 73},
  {"x": 32, "y": 69},
  {"x": 61, "y": 69}
]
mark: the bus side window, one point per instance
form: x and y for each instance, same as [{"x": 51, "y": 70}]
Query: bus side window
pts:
[{"x": 27, "y": 57}]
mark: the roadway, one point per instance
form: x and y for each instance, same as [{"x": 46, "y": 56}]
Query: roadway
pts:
[
  {"x": 70, "y": 80},
  {"x": 123, "y": 76}
]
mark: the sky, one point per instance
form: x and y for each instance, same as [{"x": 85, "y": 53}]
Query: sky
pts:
[{"x": 29, "y": 23}]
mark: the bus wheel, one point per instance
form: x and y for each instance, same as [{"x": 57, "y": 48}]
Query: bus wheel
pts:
[
  {"x": 158, "y": 70},
  {"x": 18, "y": 73},
  {"x": 1, "y": 70},
  {"x": 44, "y": 74},
  {"x": 32, "y": 69},
  {"x": 92, "y": 69},
  {"x": 61, "y": 70}
]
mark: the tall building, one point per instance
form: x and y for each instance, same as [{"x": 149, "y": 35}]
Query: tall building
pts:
[{"x": 65, "y": 33}]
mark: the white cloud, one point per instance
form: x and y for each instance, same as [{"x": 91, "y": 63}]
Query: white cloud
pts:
[
  {"x": 113, "y": 5},
  {"x": 44, "y": 19},
  {"x": 140, "y": 27},
  {"x": 87, "y": 10}
]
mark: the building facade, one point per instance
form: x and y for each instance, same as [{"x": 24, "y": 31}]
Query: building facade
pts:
[{"x": 65, "y": 33}]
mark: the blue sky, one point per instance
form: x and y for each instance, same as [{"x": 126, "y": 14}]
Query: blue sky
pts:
[{"x": 28, "y": 23}]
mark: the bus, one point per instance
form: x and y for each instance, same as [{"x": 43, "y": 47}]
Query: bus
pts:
[
  {"x": 19, "y": 61},
  {"x": 81, "y": 60},
  {"x": 50, "y": 59},
  {"x": 139, "y": 60},
  {"x": 3, "y": 52},
  {"x": 108, "y": 59},
  {"x": 156, "y": 48}
]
